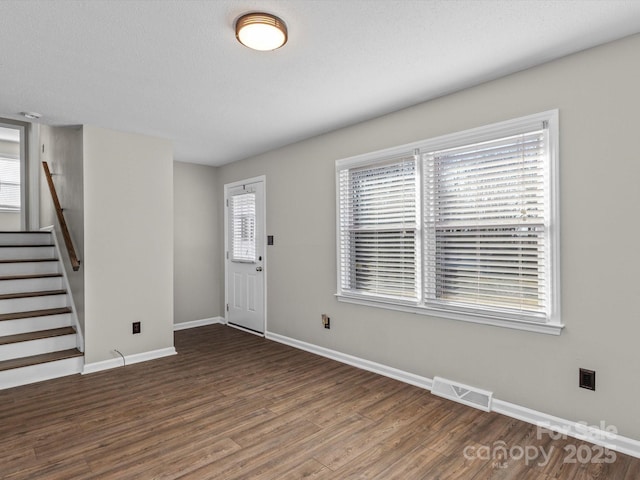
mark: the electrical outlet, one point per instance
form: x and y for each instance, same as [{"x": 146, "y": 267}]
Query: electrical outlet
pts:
[
  {"x": 326, "y": 321},
  {"x": 136, "y": 327},
  {"x": 587, "y": 379}
]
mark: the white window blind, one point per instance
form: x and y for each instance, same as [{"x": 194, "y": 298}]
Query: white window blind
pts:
[
  {"x": 485, "y": 221},
  {"x": 378, "y": 229},
  {"x": 9, "y": 183},
  {"x": 466, "y": 228},
  {"x": 243, "y": 227}
]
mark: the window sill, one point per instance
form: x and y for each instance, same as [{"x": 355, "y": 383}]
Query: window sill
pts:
[{"x": 529, "y": 326}]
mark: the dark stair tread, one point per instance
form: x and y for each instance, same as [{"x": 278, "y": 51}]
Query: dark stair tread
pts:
[
  {"x": 13, "y": 245},
  {"x": 35, "y": 313},
  {"x": 38, "y": 359},
  {"x": 30, "y": 276},
  {"x": 43, "y": 293},
  {"x": 26, "y": 337},
  {"x": 27, "y": 260}
]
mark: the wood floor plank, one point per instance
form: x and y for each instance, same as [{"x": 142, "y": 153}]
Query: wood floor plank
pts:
[
  {"x": 232, "y": 405},
  {"x": 309, "y": 469},
  {"x": 256, "y": 455},
  {"x": 375, "y": 460},
  {"x": 168, "y": 464}
]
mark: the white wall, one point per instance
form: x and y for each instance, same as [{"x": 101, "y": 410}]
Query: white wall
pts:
[
  {"x": 197, "y": 262},
  {"x": 128, "y": 238},
  {"x": 596, "y": 92}
]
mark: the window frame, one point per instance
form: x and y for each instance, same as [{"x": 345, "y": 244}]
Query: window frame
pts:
[
  {"x": 551, "y": 324},
  {"x": 402, "y": 223},
  {"x": 9, "y": 208},
  {"x": 246, "y": 215}
]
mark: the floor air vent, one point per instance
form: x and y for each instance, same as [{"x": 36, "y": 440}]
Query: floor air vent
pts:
[{"x": 458, "y": 392}]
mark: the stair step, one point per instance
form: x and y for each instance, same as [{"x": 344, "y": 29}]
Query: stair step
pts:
[
  {"x": 29, "y": 276},
  {"x": 34, "y": 313},
  {"x": 29, "y": 266},
  {"x": 43, "y": 293},
  {"x": 25, "y": 245},
  {"x": 28, "y": 283},
  {"x": 14, "y": 377},
  {"x": 39, "y": 359},
  {"x": 18, "y": 252},
  {"x": 27, "y": 337},
  {"x": 28, "y": 260},
  {"x": 33, "y": 238},
  {"x": 35, "y": 300},
  {"x": 35, "y": 320},
  {"x": 37, "y": 339}
]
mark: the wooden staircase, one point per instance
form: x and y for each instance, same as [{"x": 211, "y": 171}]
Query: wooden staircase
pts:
[{"x": 38, "y": 338}]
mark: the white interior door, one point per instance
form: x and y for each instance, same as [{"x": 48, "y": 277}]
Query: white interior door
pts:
[{"x": 245, "y": 256}]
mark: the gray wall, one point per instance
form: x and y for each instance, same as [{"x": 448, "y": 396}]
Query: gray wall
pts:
[
  {"x": 117, "y": 193},
  {"x": 9, "y": 221},
  {"x": 596, "y": 92},
  {"x": 63, "y": 152},
  {"x": 128, "y": 234},
  {"x": 197, "y": 261}
]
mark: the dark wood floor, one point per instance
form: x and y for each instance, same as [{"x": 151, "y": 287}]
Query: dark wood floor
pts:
[{"x": 235, "y": 406}]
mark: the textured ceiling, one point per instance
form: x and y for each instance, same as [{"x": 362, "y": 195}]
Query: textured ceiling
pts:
[{"x": 173, "y": 69}]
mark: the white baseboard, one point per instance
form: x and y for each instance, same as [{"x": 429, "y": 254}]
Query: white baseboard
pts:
[
  {"x": 569, "y": 428},
  {"x": 129, "y": 360},
  {"x": 197, "y": 323}
]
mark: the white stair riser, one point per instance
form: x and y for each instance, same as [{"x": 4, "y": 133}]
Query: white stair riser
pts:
[
  {"x": 30, "y": 285},
  {"x": 28, "y": 268},
  {"x": 34, "y": 324},
  {"x": 38, "y": 373},
  {"x": 20, "y": 253},
  {"x": 33, "y": 303},
  {"x": 25, "y": 238},
  {"x": 36, "y": 347}
]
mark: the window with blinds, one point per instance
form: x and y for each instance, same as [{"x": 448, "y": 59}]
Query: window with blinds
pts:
[
  {"x": 9, "y": 183},
  {"x": 486, "y": 222},
  {"x": 466, "y": 227},
  {"x": 243, "y": 227},
  {"x": 378, "y": 227}
]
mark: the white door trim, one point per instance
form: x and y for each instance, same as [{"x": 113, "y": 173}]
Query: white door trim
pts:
[{"x": 227, "y": 188}]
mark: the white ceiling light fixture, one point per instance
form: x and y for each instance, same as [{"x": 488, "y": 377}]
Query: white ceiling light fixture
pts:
[
  {"x": 31, "y": 115},
  {"x": 261, "y": 31}
]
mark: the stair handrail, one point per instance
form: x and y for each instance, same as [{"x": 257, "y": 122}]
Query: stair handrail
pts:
[{"x": 75, "y": 262}]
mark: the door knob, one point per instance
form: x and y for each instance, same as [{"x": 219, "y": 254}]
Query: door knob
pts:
[{"x": 258, "y": 269}]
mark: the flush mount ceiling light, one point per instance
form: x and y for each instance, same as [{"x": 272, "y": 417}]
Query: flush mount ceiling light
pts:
[
  {"x": 261, "y": 31},
  {"x": 31, "y": 115}
]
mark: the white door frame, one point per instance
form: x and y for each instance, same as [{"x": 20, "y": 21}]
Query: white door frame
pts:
[{"x": 263, "y": 213}]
